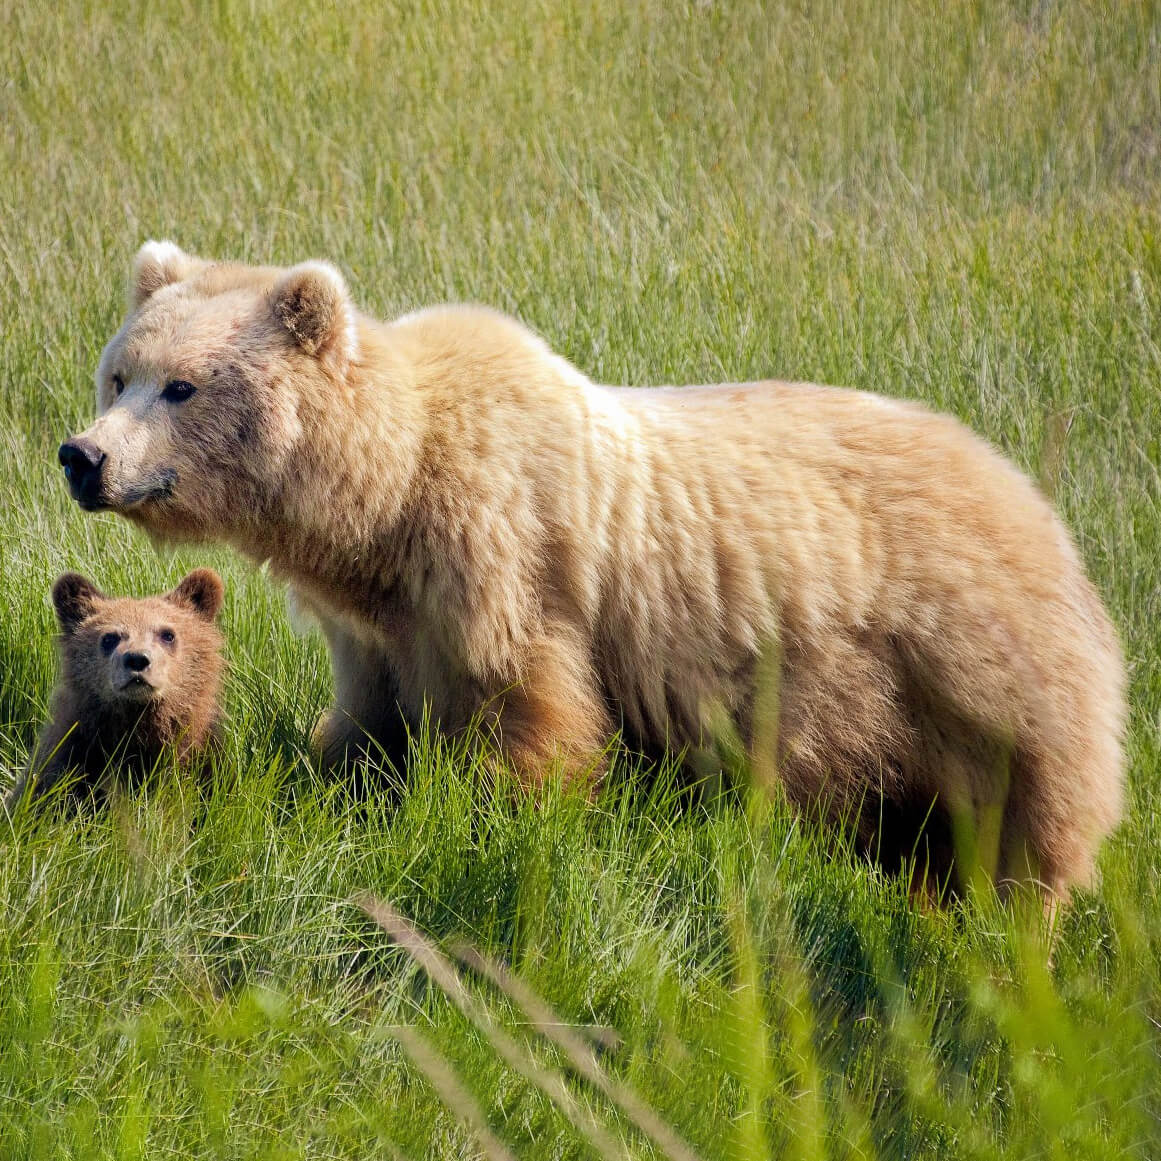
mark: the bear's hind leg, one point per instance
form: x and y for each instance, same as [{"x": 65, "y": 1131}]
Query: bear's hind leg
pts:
[{"x": 1059, "y": 810}]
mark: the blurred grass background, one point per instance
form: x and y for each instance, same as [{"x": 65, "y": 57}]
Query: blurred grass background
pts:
[{"x": 956, "y": 203}]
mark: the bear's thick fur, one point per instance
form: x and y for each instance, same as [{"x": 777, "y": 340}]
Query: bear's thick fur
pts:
[
  {"x": 481, "y": 530},
  {"x": 138, "y": 677}
]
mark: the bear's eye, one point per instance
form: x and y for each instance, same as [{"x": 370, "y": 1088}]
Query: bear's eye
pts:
[
  {"x": 118, "y": 384},
  {"x": 178, "y": 391},
  {"x": 110, "y": 641},
  {"x": 167, "y": 636}
]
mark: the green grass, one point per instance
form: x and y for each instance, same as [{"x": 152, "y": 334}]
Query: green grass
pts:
[{"x": 960, "y": 204}]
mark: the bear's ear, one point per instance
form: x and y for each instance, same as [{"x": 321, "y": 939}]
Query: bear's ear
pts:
[
  {"x": 312, "y": 302},
  {"x": 158, "y": 264},
  {"x": 74, "y": 597},
  {"x": 202, "y": 591}
]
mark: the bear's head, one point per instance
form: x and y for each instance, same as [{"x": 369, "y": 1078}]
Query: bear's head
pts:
[
  {"x": 201, "y": 393},
  {"x": 123, "y": 653}
]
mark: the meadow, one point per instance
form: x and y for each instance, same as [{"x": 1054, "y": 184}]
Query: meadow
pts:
[{"x": 959, "y": 204}]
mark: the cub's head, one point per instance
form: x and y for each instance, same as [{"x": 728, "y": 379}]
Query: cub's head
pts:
[
  {"x": 200, "y": 394},
  {"x": 123, "y": 652}
]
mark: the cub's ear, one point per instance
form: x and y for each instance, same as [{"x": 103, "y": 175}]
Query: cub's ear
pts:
[
  {"x": 312, "y": 302},
  {"x": 74, "y": 597},
  {"x": 202, "y": 591},
  {"x": 159, "y": 264}
]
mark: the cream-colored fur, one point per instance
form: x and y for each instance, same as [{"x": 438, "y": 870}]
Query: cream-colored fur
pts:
[{"x": 482, "y": 530}]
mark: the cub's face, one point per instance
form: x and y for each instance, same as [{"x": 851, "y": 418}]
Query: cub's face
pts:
[
  {"x": 200, "y": 393},
  {"x": 124, "y": 653}
]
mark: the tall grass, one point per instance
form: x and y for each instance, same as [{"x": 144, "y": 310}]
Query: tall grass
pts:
[{"x": 956, "y": 204}]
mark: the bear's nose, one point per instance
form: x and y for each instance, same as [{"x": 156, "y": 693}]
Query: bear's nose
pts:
[
  {"x": 82, "y": 461},
  {"x": 136, "y": 662}
]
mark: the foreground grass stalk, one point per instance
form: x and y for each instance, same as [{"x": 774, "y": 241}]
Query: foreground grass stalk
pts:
[
  {"x": 579, "y": 1054},
  {"x": 452, "y": 1090},
  {"x": 440, "y": 971}
]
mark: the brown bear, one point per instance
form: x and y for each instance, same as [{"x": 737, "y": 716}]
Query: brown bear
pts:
[
  {"x": 138, "y": 678},
  {"x": 879, "y": 602}
]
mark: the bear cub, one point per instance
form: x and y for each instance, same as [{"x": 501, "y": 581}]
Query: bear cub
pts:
[{"x": 138, "y": 677}]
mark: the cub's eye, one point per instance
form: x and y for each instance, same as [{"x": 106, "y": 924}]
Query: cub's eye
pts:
[
  {"x": 167, "y": 636},
  {"x": 178, "y": 391},
  {"x": 110, "y": 641},
  {"x": 118, "y": 384}
]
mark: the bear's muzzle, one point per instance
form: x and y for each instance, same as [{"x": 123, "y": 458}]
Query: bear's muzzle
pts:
[{"x": 83, "y": 462}]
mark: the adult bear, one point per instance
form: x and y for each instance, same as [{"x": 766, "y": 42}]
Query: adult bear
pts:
[{"x": 482, "y": 531}]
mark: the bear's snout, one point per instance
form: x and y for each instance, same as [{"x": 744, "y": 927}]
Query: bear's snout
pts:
[
  {"x": 136, "y": 662},
  {"x": 82, "y": 461},
  {"x": 134, "y": 678}
]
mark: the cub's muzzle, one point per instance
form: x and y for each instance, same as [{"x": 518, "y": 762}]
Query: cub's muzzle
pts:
[
  {"x": 133, "y": 681},
  {"x": 136, "y": 662},
  {"x": 82, "y": 461}
]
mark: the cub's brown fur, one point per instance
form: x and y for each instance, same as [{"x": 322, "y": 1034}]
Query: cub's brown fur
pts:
[
  {"x": 480, "y": 529},
  {"x": 137, "y": 677}
]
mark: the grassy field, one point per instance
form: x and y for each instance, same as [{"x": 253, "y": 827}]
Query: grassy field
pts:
[{"x": 959, "y": 203}]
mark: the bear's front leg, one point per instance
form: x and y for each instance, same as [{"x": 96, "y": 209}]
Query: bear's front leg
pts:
[
  {"x": 554, "y": 718},
  {"x": 365, "y": 722},
  {"x": 340, "y": 739},
  {"x": 59, "y": 750}
]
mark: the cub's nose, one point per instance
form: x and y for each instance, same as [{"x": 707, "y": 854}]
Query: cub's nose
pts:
[
  {"x": 82, "y": 461},
  {"x": 136, "y": 662}
]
